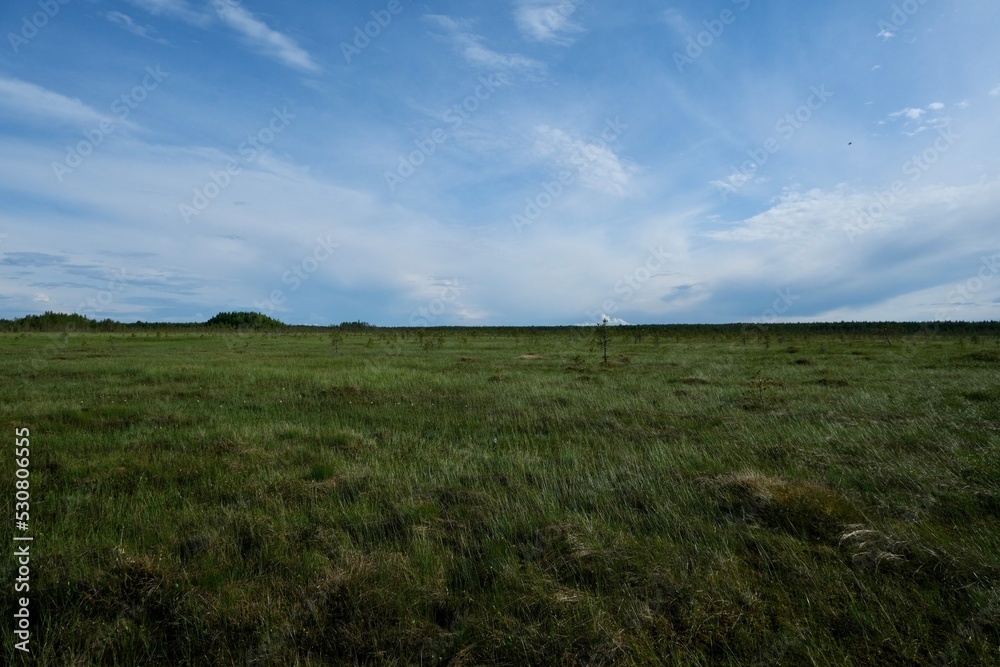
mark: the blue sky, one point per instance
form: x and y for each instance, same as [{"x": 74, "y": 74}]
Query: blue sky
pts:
[{"x": 500, "y": 163}]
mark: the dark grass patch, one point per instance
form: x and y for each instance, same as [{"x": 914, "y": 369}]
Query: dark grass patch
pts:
[
  {"x": 370, "y": 608},
  {"x": 307, "y": 491},
  {"x": 954, "y": 507},
  {"x": 803, "y": 509},
  {"x": 981, "y": 357},
  {"x": 320, "y": 472},
  {"x": 94, "y": 419},
  {"x": 340, "y": 394},
  {"x": 933, "y": 569},
  {"x": 981, "y": 396},
  {"x": 136, "y": 610}
]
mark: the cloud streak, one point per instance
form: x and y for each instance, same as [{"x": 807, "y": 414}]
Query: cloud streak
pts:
[
  {"x": 597, "y": 165},
  {"x": 263, "y": 38},
  {"x": 472, "y": 48},
  {"x": 230, "y": 13},
  {"x": 548, "y": 21},
  {"x": 125, "y": 22},
  {"x": 178, "y": 9},
  {"x": 34, "y": 103}
]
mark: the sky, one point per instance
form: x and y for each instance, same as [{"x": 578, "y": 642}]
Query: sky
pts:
[{"x": 513, "y": 162}]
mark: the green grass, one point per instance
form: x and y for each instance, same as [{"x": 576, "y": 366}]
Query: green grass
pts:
[{"x": 290, "y": 499}]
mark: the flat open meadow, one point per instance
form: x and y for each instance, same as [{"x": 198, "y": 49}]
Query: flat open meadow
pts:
[{"x": 505, "y": 497}]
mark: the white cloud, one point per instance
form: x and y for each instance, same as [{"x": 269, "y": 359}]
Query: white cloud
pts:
[
  {"x": 995, "y": 92},
  {"x": 178, "y": 9},
  {"x": 33, "y": 101},
  {"x": 230, "y": 13},
  {"x": 263, "y": 38},
  {"x": 918, "y": 120},
  {"x": 596, "y": 164},
  {"x": 447, "y": 22},
  {"x": 886, "y": 35},
  {"x": 611, "y": 320},
  {"x": 470, "y": 46},
  {"x": 735, "y": 181},
  {"x": 125, "y": 21},
  {"x": 797, "y": 215},
  {"x": 673, "y": 18},
  {"x": 547, "y": 21},
  {"x": 941, "y": 302},
  {"x": 910, "y": 113},
  {"x": 825, "y": 216}
]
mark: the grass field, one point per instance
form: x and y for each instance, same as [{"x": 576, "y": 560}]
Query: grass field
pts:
[{"x": 468, "y": 498}]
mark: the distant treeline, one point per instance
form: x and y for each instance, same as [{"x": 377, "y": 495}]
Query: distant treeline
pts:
[
  {"x": 244, "y": 320},
  {"x": 58, "y": 322},
  {"x": 50, "y": 321}
]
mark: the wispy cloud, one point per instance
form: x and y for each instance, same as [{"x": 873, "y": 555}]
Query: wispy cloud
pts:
[
  {"x": 125, "y": 21},
  {"x": 547, "y": 21},
  {"x": 735, "y": 181},
  {"x": 263, "y": 38},
  {"x": 909, "y": 112},
  {"x": 673, "y": 18},
  {"x": 799, "y": 215},
  {"x": 823, "y": 216},
  {"x": 230, "y": 13},
  {"x": 596, "y": 164},
  {"x": 472, "y": 48},
  {"x": 34, "y": 102},
  {"x": 917, "y": 120},
  {"x": 178, "y": 9}
]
